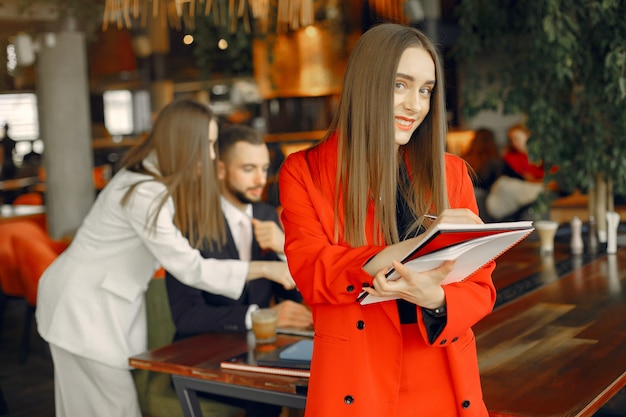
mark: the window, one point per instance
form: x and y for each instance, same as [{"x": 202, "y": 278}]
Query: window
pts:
[
  {"x": 118, "y": 112},
  {"x": 19, "y": 110},
  {"x": 126, "y": 112}
]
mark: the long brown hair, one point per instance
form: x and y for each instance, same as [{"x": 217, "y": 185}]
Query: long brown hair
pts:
[
  {"x": 180, "y": 141},
  {"x": 368, "y": 164}
]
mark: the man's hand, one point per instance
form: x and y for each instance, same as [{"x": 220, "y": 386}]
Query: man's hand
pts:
[
  {"x": 269, "y": 235},
  {"x": 292, "y": 314}
]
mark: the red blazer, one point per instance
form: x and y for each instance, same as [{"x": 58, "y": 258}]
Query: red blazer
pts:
[{"x": 356, "y": 369}]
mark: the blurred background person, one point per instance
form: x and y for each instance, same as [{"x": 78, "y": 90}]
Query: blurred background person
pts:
[
  {"x": 517, "y": 164},
  {"x": 485, "y": 159},
  {"x": 512, "y": 195},
  {"x": 7, "y": 166},
  {"x": 7, "y": 143}
]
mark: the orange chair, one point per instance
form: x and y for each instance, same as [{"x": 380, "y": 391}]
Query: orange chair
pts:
[
  {"x": 101, "y": 175},
  {"x": 25, "y": 251},
  {"x": 33, "y": 257},
  {"x": 10, "y": 285},
  {"x": 31, "y": 199}
]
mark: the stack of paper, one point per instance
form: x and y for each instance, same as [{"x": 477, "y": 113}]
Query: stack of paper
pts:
[{"x": 471, "y": 246}]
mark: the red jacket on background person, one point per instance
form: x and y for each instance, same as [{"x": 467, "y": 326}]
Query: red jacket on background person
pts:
[
  {"x": 357, "y": 356},
  {"x": 521, "y": 167},
  {"x": 516, "y": 161}
]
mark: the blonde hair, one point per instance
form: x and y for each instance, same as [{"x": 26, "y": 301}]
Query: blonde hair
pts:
[
  {"x": 368, "y": 169},
  {"x": 180, "y": 142}
]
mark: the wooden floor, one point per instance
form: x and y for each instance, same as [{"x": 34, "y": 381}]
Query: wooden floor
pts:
[{"x": 28, "y": 388}]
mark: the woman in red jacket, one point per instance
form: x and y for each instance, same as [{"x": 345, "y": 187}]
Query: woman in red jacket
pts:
[{"x": 353, "y": 204}]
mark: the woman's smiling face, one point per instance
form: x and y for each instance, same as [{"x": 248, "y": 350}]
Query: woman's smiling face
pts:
[{"x": 413, "y": 87}]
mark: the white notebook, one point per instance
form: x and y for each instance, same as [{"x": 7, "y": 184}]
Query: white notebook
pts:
[{"x": 471, "y": 246}]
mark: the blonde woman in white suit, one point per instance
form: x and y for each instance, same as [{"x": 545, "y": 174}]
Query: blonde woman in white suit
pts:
[{"x": 90, "y": 306}]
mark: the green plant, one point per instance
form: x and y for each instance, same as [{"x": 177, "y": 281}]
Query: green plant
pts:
[
  {"x": 236, "y": 60},
  {"x": 561, "y": 63}
]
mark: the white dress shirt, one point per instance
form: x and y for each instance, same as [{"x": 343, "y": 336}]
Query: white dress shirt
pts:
[{"x": 237, "y": 219}]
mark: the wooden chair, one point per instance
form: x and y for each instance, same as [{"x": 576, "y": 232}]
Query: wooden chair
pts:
[{"x": 33, "y": 256}]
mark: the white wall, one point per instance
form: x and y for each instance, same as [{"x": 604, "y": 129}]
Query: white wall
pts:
[{"x": 497, "y": 122}]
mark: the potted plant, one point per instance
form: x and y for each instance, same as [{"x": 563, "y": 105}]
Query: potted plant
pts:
[{"x": 562, "y": 64}]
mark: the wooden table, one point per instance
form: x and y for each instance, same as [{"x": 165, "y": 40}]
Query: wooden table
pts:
[
  {"x": 557, "y": 347},
  {"x": 17, "y": 183},
  {"x": 11, "y": 188},
  {"x": 563, "y": 209},
  {"x": 194, "y": 364},
  {"x": 559, "y": 350}
]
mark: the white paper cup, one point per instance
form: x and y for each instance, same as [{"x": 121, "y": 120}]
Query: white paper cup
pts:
[{"x": 546, "y": 229}]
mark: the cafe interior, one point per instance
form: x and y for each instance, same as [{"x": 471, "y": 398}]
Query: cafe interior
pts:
[{"x": 82, "y": 84}]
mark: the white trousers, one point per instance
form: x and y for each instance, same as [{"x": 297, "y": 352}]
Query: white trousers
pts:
[{"x": 83, "y": 387}]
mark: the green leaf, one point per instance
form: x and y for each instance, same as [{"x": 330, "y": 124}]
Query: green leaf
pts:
[{"x": 562, "y": 63}]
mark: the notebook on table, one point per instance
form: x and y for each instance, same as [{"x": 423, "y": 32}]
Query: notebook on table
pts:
[
  {"x": 295, "y": 331},
  {"x": 291, "y": 360}
]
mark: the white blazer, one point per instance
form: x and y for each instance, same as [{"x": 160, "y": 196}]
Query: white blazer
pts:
[{"x": 90, "y": 300}]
